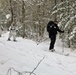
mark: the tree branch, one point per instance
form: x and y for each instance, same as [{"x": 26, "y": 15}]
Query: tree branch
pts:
[{"x": 37, "y": 65}]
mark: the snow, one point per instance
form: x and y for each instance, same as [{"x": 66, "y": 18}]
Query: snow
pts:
[
  {"x": 8, "y": 16},
  {"x": 71, "y": 19},
  {"x": 25, "y": 54},
  {"x": 60, "y": 9},
  {"x": 58, "y": 5},
  {"x": 72, "y": 33}
]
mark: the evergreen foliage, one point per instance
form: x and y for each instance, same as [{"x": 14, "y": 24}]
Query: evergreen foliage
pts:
[{"x": 66, "y": 15}]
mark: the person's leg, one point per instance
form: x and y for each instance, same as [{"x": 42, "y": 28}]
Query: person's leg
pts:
[
  {"x": 10, "y": 35},
  {"x": 53, "y": 39},
  {"x": 14, "y": 36}
]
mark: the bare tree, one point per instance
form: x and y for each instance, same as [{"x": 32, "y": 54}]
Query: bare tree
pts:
[
  {"x": 23, "y": 17},
  {"x": 11, "y": 10}
]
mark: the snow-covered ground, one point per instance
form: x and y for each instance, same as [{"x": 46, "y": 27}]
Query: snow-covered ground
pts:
[{"x": 25, "y": 55}]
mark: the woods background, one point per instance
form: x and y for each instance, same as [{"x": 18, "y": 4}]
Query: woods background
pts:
[{"x": 32, "y": 16}]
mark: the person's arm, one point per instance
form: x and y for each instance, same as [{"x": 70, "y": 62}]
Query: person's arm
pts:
[
  {"x": 61, "y": 31},
  {"x": 1, "y": 27}
]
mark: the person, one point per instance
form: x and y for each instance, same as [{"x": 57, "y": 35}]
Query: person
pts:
[
  {"x": 12, "y": 32},
  {"x": 52, "y": 29}
]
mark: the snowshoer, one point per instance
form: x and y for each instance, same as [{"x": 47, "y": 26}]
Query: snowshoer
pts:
[
  {"x": 52, "y": 29},
  {"x": 12, "y": 32}
]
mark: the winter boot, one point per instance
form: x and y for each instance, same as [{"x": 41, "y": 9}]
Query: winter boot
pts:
[
  {"x": 9, "y": 39},
  {"x": 0, "y": 35},
  {"x": 52, "y": 50},
  {"x": 15, "y": 40}
]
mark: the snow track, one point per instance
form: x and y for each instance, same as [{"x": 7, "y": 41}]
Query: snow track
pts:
[{"x": 25, "y": 54}]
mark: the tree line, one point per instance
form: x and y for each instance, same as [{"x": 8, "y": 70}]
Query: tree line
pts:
[{"x": 32, "y": 17}]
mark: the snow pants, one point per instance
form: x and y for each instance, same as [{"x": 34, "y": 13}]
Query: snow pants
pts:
[
  {"x": 53, "y": 39},
  {"x": 12, "y": 34}
]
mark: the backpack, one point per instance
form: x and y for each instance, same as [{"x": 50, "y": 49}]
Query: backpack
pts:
[{"x": 50, "y": 26}]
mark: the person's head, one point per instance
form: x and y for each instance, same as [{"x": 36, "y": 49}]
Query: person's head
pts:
[
  {"x": 51, "y": 22},
  {"x": 56, "y": 22}
]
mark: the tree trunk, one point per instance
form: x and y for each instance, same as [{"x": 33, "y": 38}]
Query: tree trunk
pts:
[
  {"x": 55, "y": 14},
  {"x": 23, "y": 18},
  {"x": 11, "y": 10}
]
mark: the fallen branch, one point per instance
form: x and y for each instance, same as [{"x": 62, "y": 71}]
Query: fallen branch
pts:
[
  {"x": 24, "y": 72},
  {"x": 19, "y": 73},
  {"x": 37, "y": 65}
]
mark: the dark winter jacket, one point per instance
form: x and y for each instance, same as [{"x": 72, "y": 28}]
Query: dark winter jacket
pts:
[{"x": 52, "y": 29}]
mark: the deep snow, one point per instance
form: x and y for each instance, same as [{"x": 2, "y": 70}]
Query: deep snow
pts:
[{"x": 25, "y": 54}]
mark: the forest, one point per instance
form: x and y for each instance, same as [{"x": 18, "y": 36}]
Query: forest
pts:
[{"x": 32, "y": 16}]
